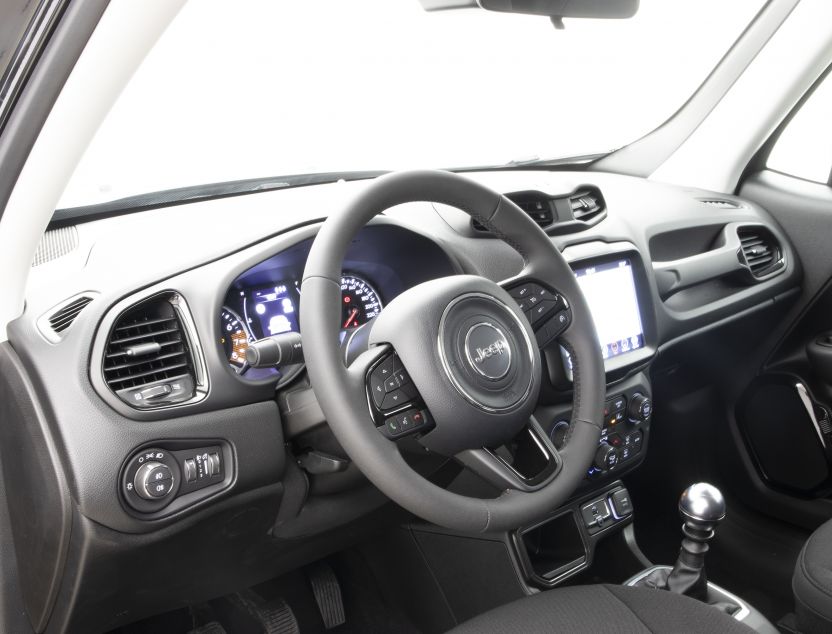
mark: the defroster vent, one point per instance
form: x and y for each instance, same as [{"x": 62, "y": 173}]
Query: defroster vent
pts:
[{"x": 148, "y": 361}]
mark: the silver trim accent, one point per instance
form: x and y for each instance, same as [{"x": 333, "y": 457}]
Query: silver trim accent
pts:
[
  {"x": 440, "y": 341},
  {"x": 743, "y": 612},
  {"x": 803, "y": 393},
  {"x": 473, "y": 362}
]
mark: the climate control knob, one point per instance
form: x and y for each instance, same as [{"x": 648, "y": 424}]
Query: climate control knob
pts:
[
  {"x": 153, "y": 480},
  {"x": 606, "y": 457},
  {"x": 640, "y": 409}
]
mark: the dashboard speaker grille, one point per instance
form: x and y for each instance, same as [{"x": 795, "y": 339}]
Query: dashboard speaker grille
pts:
[
  {"x": 147, "y": 345},
  {"x": 54, "y": 244},
  {"x": 760, "y": 250}
]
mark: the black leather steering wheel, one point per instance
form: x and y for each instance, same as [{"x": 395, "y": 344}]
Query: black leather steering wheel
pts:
[{"x": 462, "y": 357}]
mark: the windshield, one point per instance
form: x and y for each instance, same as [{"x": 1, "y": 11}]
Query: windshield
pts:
[{"x": 264, "y": 88}]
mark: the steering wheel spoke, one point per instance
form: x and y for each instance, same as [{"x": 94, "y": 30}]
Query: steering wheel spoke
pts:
[
  {"x": 527, "y": 463},
  {"x": 546, "y": 308},
  {"x": 395, "y": 405}
]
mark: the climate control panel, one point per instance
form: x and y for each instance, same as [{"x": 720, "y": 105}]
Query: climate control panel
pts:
[
  {"x": 622, "y": 437},
  {"x": 628, "y": 409}
]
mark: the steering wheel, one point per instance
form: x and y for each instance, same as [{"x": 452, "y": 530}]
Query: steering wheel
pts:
[{"x": 460, "y": 356}]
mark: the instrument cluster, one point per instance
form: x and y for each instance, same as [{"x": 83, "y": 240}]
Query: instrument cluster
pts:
[{"x": 259, "y": 311}]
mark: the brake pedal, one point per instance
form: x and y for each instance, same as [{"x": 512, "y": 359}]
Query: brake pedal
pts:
[
  {"x": 274, "y": 617},
  {"x": 327, "y": 593}
]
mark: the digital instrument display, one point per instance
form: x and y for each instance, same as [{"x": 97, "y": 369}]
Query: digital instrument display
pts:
[
  {"x": 610, "y": 291},
  {"x": 274, "y": 308}
]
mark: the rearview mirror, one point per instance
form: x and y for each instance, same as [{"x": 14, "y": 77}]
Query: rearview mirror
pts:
[{"x": 609, "y": 9}]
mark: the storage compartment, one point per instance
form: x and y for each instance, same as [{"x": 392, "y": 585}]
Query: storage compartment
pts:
[
  {"x": 684, "y": 243},
  {"x": 555, "y": 547}
]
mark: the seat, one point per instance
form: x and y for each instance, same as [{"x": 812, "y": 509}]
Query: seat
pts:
[
  {"x": 604, "y": 608},
  {"x": 812, "y": 582}
]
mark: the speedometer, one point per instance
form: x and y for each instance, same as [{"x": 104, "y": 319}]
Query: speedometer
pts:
[
  {"x": 359, "y": 302},
  {"x": 234, "y": 337}
]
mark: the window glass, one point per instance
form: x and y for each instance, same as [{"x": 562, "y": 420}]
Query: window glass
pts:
[{"x": 804, "y": 149}]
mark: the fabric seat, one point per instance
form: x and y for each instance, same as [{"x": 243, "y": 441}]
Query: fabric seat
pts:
[
  {"x": 604, "y": 608},
  {"x": 812, "y": 582}
]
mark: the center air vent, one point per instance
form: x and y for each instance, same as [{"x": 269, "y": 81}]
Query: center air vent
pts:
[
  {"x": 148, "y": 361},
  {"x": 537, "y": 206},
  {"x": 761, "y": 251},
  {"x": 587, "y": 205}
]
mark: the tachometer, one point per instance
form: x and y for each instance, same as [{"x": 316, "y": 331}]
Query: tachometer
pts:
[
  {"x": 234, "y": 336},
  {"x": 359, "y": 301}
]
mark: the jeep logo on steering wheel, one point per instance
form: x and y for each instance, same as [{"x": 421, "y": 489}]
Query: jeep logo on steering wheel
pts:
[{"x": 488, "y": 351}]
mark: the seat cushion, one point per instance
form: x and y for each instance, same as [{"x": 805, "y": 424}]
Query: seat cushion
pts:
[
  {"x": 604, "y": 608},
  {"x": 812, "y": 582}
]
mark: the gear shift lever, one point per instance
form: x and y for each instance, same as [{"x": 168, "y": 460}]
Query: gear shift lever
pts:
[{"x": 702, "y": 507}]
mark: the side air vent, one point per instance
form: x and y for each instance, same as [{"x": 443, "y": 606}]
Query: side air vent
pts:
[
  {"x": 148, "y": 360},
  {"x": 57, "y": 321},
  {"x": 587, "y": 205},
  {"x": 761, "y": 251},
  {"x": 537, "y": 206}
]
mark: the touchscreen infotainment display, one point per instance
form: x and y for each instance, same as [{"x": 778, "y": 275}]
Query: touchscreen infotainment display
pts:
[{"x": 610, "y": 291}]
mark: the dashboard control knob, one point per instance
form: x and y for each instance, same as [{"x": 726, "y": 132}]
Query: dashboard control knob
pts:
[
  {"x": 606, "y": 457},
  {"x": 640, "y": 409},
  {"x": 153, "y": 480}
]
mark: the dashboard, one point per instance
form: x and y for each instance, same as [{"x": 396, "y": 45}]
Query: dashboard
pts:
[{"x": 152, "y": 366}]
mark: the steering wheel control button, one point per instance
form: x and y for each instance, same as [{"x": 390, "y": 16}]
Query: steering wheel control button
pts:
[
  {"x": 390, "y": 386},
  {"x": 394, "y": 399},
  {"x": 525, "y": 291},
  {"x": 488, "y": 351},
  {"x": 407, "y": 422},
  {"x": 377, "y": 388}
]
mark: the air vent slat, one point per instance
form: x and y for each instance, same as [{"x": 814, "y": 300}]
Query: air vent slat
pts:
[
  {"x": 63, "y": 318},
  {"x": 156, "y": 324},
  {"x": 144, "y": 336},
  {"x": 760, "y": 250},
  {"x": 149, "y": 322},
  {"x": 587, "y": 205}
]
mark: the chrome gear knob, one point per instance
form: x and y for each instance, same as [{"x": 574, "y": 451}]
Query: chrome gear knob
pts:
[{"x": 702, "y": 503}]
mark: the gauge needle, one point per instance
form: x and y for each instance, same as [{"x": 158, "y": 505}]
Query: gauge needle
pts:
[{"x": 350, "y": 318}]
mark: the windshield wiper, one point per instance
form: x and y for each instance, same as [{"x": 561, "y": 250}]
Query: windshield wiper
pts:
[{"x": 194, "y": 193}]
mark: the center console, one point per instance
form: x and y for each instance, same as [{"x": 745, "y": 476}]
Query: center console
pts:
[{"x": 614, "y": 281}]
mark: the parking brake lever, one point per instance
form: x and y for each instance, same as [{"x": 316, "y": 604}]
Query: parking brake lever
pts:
[{"x": 820, "y": 418}]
